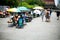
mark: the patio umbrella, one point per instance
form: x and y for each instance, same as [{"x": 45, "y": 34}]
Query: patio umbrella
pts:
[
  {"x": 13, "y": 10},
  {"x": 23, "y": 9},
  {"x": 38, "y": 7}
]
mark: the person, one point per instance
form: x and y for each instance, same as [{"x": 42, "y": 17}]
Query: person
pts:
[
  {"x": 37, "y": 12},
  {"x": 34, "y": 15},
  {"x": 1, "y": 14},
  {"x": 58, "y": 13},
  {"x": 42, "y": 14},
  {"x": 7, "y": 13},
  {"x": 30, "y": 17},
  {"x": 15, "y": 19},
  {"x": 20, "y": 22},
  {"x": 47, "y": 15},
  {"x": 50, "y": 11},
  {"x": 24, "y": 17}
]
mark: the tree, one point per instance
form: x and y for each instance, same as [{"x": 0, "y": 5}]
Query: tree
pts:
[
  {"x": 33, "y": 2},
  {"x": 12, "y": 3},
  {"x": 15, "y": 3},
  {"x": 25, "y": 4}
]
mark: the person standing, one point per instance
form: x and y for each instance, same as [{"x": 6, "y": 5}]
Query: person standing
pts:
[
  {"x": 47, "y": 15},
  {"x": 50, "y": 11},
  {"x": 42, "y": 14},
  {"x": 58, "y": 13}
]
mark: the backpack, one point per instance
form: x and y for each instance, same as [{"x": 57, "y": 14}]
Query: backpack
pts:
[{"x": 20, "y": 22}]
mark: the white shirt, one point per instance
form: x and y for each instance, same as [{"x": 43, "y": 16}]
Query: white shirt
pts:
[{"x": 37, "y": 11}]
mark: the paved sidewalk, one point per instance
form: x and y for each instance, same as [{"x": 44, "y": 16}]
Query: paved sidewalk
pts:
[{"x": 35, "y": 30}]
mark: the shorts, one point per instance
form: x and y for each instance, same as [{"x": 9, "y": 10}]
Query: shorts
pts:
[
  {"x": 58, "y": 14},
  {"x": 47, "y": 17}
]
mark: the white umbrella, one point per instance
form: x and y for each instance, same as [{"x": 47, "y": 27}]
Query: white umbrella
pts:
[{"x": 38, "y": 8}]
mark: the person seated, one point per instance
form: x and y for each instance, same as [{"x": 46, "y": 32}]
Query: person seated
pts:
[
  {"x": 14, "y": 20},
  {"x": 47, "y": 15},
  {"x": 20, "y": 22},
  {"x": 7, "y": 13},
  {"x": 1, "y": 14}
]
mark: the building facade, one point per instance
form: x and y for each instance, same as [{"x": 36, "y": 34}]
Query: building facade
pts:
[
  {"x": 49, "y": 1},
  {"x": 49, "y": 4}
]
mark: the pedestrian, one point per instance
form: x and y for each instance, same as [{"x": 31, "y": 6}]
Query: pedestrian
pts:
[
  {"x": 58, "y": 13},
  {"x": 50, "y": 11},
  {"x": 47, "y": 15},
  {"x": 42, "y": 14}
]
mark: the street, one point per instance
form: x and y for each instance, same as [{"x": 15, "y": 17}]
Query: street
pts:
[{"x": 34, "y": 30}]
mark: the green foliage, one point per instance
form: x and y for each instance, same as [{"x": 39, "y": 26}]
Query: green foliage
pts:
[
  {"x": 12, "y": 3},
  {"x": 26, "y": 5},
  {"x": 33, "y": 2}
]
